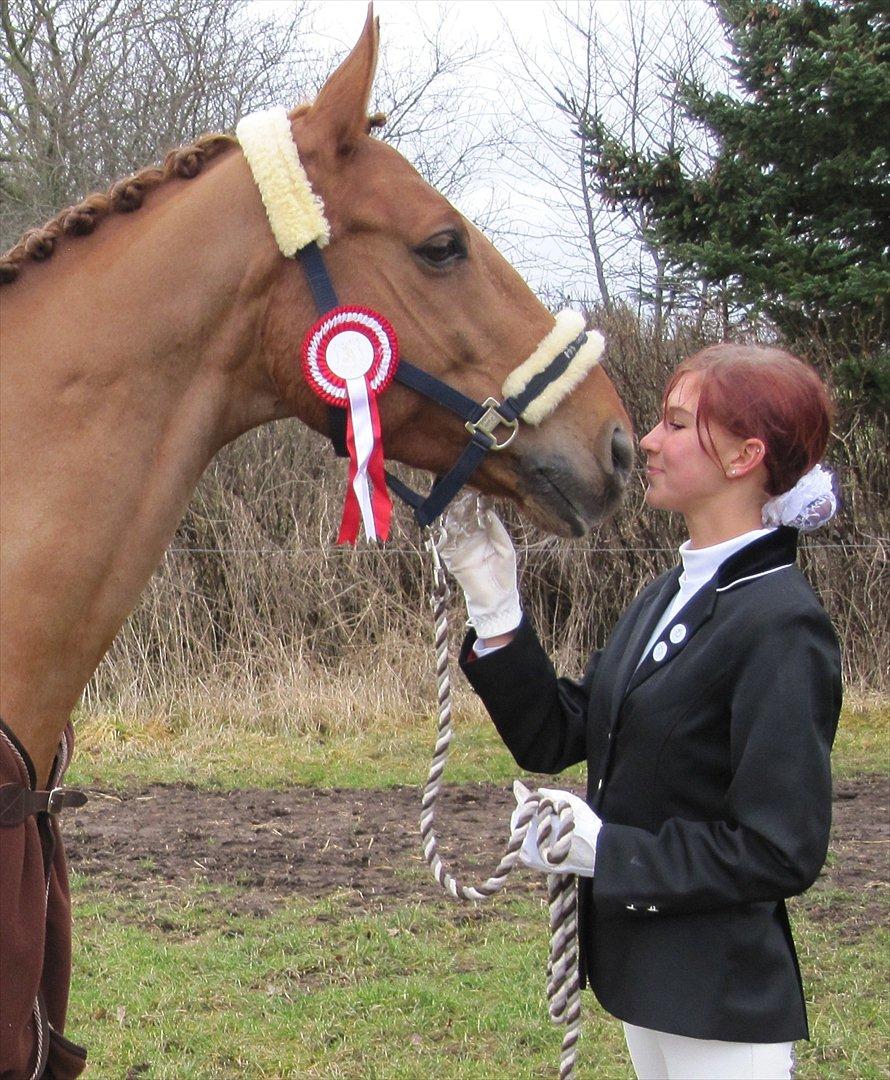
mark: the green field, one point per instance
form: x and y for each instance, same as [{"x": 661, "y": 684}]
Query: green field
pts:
[
  {"x": 115, "y": 752},
  {"x": 185, "y": 983}
]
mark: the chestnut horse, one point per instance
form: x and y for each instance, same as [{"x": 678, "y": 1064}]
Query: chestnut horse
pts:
[{"x": 134, "y": 353}]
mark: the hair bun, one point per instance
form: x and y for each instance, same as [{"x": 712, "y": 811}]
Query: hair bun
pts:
[{"x": 812, "y": 502}]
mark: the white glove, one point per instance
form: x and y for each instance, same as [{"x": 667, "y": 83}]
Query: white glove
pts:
[
  {"x": 582, "y": 850},
  {"x": 477, "y": 550}
]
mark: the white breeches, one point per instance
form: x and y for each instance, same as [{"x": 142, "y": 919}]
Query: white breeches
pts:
[{"x": 657, "y": 1055}]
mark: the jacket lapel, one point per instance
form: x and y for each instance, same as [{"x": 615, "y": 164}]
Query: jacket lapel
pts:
[
  {"x": 640, "y": 634},
  {"x": 764, "y": 556},
  {"x": 676, "y": 635}
]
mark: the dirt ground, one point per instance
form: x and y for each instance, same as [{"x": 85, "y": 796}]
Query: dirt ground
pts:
[{"x": 269, "y": 845}]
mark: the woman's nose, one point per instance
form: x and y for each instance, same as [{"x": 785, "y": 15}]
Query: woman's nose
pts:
[{"x": 649, "y": 442}]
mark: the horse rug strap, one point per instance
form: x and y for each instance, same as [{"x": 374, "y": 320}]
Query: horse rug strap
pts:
[
  {"x": 17, "y": 803},
  {"x": 35, "y": 918}
]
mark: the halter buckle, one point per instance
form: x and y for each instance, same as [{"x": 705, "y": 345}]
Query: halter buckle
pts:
[{"x": 489, "y": 421}]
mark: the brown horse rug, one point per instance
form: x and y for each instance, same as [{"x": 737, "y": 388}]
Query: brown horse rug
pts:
[{"x": 35, "y": 918}]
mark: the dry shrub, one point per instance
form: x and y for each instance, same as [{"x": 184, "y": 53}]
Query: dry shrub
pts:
[{"x": 255, "y": 616}]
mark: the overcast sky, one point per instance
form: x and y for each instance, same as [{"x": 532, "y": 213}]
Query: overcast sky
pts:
[{"x": 343, "y": 19}]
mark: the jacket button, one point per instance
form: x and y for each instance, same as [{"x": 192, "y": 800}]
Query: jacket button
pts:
[
  {"x": 677, "y": 633},
  {"x": 652, "y": 908},
  {"x": 631, "y": 907},
  {"x": 599, "y": 786},
  {"x": 659, "y": 652}
]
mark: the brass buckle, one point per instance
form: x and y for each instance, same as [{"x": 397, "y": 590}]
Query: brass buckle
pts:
[{"x": 489, "y": 421}]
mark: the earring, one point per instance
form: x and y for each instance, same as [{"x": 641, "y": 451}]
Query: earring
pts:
[{"x": 732, "y": 472}]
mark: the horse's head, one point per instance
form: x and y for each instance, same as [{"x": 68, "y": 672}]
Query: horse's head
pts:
[{"x": 461, "y": 313}]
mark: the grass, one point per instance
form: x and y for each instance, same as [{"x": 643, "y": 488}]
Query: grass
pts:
[
  {"x": 863, "y": 737},
  {"x": 227, "y": 753},
  {"x": 185, "y": 984},
  {"x": 385, "y": 754},
  {"x": 845, "y": 974},
  {"x": 316, "y": 990},
  {"x": 182, "y": 987}
]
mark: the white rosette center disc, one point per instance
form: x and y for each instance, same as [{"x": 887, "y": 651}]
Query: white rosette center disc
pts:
[{"x": 350, "y": 355}]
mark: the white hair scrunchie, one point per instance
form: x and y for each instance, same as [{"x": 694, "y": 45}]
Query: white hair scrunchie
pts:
[{"x": 810, "y": 503}]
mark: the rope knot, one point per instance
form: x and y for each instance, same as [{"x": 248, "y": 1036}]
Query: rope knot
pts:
[{"x": 556, "y": 825}]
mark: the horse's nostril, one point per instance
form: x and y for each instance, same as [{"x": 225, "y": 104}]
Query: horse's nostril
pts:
[{"x": 622, "y": 450}]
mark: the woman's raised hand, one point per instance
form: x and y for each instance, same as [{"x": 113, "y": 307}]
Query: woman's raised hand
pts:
[{"x": 478, "y": 551}]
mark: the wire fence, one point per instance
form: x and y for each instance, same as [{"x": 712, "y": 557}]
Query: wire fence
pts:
[{"x": 384, "y": 549}]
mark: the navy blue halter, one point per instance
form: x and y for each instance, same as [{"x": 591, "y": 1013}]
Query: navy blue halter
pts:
[{"x": 481, "y": 421}]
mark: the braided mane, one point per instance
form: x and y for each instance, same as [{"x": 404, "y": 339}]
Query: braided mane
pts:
[{"x": 122, "y": 197}]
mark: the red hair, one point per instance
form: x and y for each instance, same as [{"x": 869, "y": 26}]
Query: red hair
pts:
[{"x": 767, "y": 394}]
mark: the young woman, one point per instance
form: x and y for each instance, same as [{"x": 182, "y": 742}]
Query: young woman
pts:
[{"x": 706, "y": 723}]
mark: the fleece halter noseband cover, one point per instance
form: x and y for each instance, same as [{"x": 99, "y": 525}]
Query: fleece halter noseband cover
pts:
[{"x": 531, "y": 392}]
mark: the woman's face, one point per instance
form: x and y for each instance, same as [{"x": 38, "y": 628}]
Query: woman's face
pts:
[{"x": 683, "y": 475}]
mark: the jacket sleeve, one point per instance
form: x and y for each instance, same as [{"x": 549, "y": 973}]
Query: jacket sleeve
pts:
[
  {"x": 771, "y": 843},
  {"x": 541, "y": 718}
]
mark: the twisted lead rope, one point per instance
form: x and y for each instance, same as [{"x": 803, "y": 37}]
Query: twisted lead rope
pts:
[{"x": 563, "y": 991}]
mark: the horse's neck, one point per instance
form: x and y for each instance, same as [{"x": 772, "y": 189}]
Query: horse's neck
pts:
[{"x": 129, "y": 359}]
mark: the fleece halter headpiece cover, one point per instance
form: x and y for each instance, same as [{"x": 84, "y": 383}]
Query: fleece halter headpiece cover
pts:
[
  {"x": 531, "y": 392},
  {"x": 295, "y": 212}
]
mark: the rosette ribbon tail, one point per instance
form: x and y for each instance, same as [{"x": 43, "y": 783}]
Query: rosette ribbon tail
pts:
[{"x": 367, "y": 498}]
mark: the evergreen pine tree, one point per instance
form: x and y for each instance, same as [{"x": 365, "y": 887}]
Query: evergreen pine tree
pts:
[{"x": 790, "y": 216}]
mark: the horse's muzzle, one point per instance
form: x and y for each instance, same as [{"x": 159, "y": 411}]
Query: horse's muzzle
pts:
[{"x": 568, "y": 499}]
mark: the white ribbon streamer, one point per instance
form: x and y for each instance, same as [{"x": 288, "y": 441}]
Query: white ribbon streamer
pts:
[{"x": 363, "y": 436}]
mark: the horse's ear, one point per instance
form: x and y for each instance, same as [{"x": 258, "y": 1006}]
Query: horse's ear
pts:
[{"x": 341, "y": 108}]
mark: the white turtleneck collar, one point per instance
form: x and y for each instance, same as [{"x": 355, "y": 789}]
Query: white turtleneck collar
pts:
[{"x": 701, "y": 564}]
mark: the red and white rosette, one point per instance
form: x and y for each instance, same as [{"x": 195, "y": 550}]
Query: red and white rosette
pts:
[{"x": 349, "y": 357}]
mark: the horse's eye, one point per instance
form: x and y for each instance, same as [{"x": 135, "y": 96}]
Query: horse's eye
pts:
[{"x": 443, "y": 249}]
